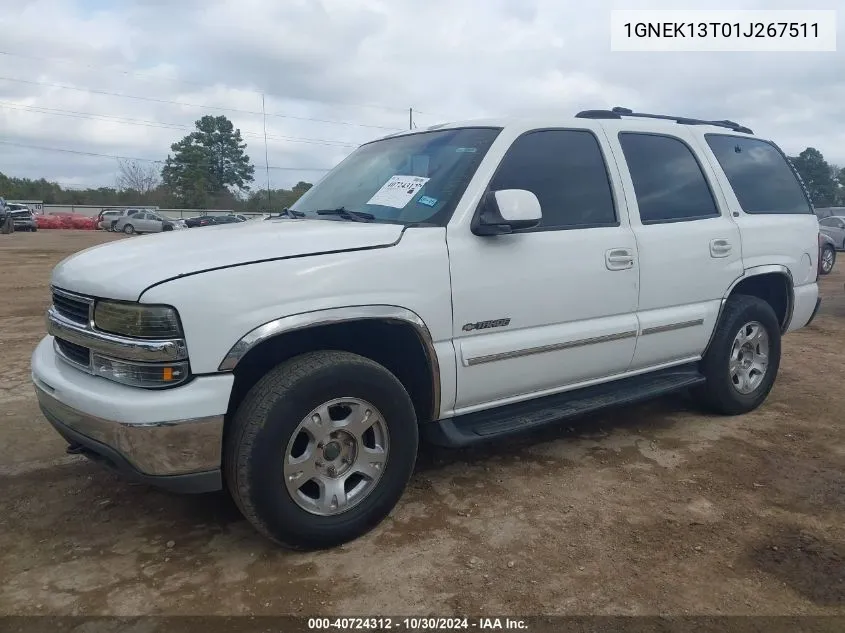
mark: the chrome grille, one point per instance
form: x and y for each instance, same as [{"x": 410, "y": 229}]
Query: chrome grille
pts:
[
  {"x": 71, "y": 307},
  {"x": 73, "y": 352}
]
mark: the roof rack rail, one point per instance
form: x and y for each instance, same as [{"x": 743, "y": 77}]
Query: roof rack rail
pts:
[{"x": 618, "y": 113}]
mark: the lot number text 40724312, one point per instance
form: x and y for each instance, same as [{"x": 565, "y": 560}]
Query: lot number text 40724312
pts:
[{"x": 417, "y": 624}]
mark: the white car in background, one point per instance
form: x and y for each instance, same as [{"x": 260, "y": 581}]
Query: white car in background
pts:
[
  {"x": 834, "y": 227},
  {"x": 146, "y": 222}
]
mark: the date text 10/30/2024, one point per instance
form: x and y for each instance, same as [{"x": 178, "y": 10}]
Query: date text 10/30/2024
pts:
[{"x": 416, "y": 624}]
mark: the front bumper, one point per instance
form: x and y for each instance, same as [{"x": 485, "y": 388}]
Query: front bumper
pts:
[{"x": 168, "y": 438}]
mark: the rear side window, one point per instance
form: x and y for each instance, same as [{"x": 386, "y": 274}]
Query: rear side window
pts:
[
  {"x": 761, "y": 177},
  {"x": 668, "y": 179},
  {"x": 565, "y": 169}
]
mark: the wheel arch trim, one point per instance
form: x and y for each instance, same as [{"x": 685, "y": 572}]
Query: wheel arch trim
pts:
[
  {"x": 330, "y": 316},
  {"x": 756, "y": 271}
]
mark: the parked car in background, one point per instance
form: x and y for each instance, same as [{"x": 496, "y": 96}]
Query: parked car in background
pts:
[
  {"x": 107, "y": 218},
  {"x": 826, "y": 212},
  {"x": 834, "y": 227},
  {"x": 228, "y": 219},
  {"x": 146, "y": 222},
  {"x": 208, "y": 220},
  {"x": 200, "y": 220},
  {"x": 22, "y": 217},
  {"x": 104, "y": 218},
  {"x": 6, "y": 223},
  {"x": 827, "y": 254}
]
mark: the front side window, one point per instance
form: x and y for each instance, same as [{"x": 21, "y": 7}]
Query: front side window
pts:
[
  {"x": 760, "y": 175},
  {"x": 668, "y": 180},
  {"x": 565, "y": 169},
  {"x": 410, "y": 179}
]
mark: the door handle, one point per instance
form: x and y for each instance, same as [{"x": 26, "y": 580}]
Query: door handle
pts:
[
  {"x": 720, "y": 247},
  {"x": 619, "y": 259}
]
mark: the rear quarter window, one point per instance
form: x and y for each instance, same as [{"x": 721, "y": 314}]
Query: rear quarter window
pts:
[{"x": 760, "y": 175}]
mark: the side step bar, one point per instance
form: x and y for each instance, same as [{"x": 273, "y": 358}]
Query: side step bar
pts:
[{"x": 485, "y": 426}]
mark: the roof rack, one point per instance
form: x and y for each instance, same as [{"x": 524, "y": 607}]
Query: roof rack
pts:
[{"x": 618, "y": 113}]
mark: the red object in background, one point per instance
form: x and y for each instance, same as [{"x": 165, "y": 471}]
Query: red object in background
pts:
[{"x": 66, "y": 221}]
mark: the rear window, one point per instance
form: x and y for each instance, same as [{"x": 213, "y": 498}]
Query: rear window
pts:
[{"x": 760, "y": 175}]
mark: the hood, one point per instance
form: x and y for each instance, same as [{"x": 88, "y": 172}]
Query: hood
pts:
[{"x": 123, "y": 269}]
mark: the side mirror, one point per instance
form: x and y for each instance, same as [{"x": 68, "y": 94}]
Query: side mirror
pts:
[{"x": 506, "y": 211}]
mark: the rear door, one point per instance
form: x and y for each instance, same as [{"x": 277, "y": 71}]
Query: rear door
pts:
[
  {"x": 143, "y": 222},
  {"x": 773, "y": 211},
  {"x": 689, "y": 246},
  {"x": 155, "y": 223}
]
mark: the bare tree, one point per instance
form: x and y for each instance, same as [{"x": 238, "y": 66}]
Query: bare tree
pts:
[{"x": 137, "y": 176}]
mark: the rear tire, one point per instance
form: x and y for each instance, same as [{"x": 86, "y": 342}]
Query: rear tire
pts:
[
  {"x": 299, "y": 448},
  {"x": 742, "y": 361}
]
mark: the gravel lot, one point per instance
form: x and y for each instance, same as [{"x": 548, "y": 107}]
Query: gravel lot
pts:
[{"x": 652, "y": 509}]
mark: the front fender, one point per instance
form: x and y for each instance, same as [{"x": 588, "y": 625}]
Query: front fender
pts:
[{"x": 225, "y": 311}]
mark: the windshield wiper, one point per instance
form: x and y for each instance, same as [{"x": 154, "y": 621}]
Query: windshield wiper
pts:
[
  {"x": 291, "y": 213},
  {"x": 346, "y": 214}
]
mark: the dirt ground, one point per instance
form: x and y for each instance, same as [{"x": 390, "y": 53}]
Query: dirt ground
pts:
[{"x": 654, "y": 509}]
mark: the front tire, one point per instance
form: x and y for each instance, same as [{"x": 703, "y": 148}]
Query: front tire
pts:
[
  {"x": 129, "y": 229},
  {"x": 828, "y": 258},
  {"x": 742, "y": 361},
  {"x": 321, "y": 449}
]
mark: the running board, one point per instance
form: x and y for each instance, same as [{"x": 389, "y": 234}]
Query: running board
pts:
[{"x": 484, "y": 426}]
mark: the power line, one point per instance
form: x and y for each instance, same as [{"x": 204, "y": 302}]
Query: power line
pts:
[
  {"x": 195, "y": 105},
  {"x": 145, "y": 160},
  {"x": 155, "y": 124},
  {"x": 195, "y": 83}
]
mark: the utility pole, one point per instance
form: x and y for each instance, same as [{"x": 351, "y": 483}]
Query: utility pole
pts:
[
  {"x": 410, "y": 118},
  {"x": 266, "y": 158}
]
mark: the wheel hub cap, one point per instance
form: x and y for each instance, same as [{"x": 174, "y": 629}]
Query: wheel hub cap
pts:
[
  {"x": 332, "y": 451},
  {"x": 336, "y": 456},
  {"x": 749, "y": 361}
]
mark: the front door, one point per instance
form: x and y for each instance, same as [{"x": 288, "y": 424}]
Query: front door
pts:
[{"x": 544, "y": 309}]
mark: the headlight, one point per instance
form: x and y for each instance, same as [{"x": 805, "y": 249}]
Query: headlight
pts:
[
  {"x": 137, "y": 320},
  {"x": 149, "y": 375}
]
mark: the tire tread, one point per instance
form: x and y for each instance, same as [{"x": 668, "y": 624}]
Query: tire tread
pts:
[
  {"x": 712, "y": 394},
  {"x": 249, "y": 419}
]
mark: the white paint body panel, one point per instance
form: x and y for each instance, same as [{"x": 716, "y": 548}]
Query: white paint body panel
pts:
[
  {"x": 203, "y": 396},
  {"x": 556, "y": 287},
  {"x": 413, "y": 274},
  {"x": 125, "y": 268}
]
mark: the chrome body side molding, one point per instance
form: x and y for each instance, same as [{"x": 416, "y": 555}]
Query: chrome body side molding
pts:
[
  {"x": 671, "y": 326},
  {"x": 554, "y": 347}
]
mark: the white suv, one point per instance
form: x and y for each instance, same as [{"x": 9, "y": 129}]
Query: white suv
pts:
[{"x": 460, "y": 283}]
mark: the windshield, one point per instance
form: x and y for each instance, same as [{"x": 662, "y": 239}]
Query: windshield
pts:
[{"x": 417, "y": 178}]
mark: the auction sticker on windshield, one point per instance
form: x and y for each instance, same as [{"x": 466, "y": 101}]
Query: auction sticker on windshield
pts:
[{"x": 398, "y": 191}]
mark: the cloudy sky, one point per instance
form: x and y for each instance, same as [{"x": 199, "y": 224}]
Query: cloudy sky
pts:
[{"x": 129, "y": 77}]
